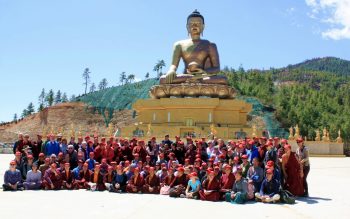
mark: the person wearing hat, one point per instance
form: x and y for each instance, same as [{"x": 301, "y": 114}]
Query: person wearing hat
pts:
[
  {"x": 45, "y": 166},
  {"x": 96, "y": 180},
  {"x": 210, "y": 188},
  {"x": 67, "y": 177},
  {"x": 119, "y": 181},
  {"x": 302, "y": 153},
  {"x": 27, "y": 166},
  {"x": 269, "y": 189},
  {"x": 239, "y": 192},
  {"x": 256, "y": 174},
  {"x": 12, "y": 178},
  {"x": 172, "y": 160},
  {"x": 33, "y": 181},
  {"x": 136, "y": 182},
  {"x": 52, "y": 178},
  {"x": 152, "y": 184},
  {"x": 193, "y": 186},
  {"x": 245, "y": 165},
  {"x": 227, "y": 180},
  {"x": 292, "y": 172},
  {"x": 276, "y": 172},
  {"x": 82, "y": 182},
  {"x": 179, "y": 183}
]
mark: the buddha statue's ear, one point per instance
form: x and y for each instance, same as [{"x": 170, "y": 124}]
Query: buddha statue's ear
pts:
[{"x": 203, "y": 29}]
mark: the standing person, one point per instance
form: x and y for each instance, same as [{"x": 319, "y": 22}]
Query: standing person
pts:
[
  {"x": 52, "y": 147},
  {"x": 36, "y": 146},
  {"x": 12, "y": 178},
  {"x": 18, "y": 143},
  {"x": 303, "y": 155},
  {"x": 33, "y": 181}
]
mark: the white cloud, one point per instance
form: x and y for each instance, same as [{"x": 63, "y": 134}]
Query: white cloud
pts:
[{"x": 335, "y": 13}]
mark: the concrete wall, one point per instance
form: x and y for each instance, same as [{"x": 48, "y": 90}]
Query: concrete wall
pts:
[{"x": 321, "y": 148}]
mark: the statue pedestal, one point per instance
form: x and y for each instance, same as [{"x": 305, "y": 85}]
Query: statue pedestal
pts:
[{"x": 199, "y": 117}]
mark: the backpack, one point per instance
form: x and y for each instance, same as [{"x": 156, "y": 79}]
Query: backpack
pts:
[{"x": 287, "y": 197}]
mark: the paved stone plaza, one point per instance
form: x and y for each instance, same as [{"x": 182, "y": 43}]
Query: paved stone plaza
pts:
[{"x": 329, "y": 182}]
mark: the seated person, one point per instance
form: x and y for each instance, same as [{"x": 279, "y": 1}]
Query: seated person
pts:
[
  {"x": 96, "y": 180},
  {"x": 119, "y": 181},
  {"x": 67, "y": 177},
  {"x": 136, "y": 182},
  {"x": 82, "y": 182},
  {"x": 108, "y": 178},
  {"x": 238, "y": 195},
  {"x": 152, "y": 184},
  {"x": 227, "y": 180},
  {"x": 52, "y": 178},
  {"x": 12, "y": 178},
  {"x": 179, "y": 183},
  {"x": 269, "y": 189},
  {"x": 193, "y": 186},
  {"x": 210, "y": 188},
  {"x": 34, "y": 178},
  {"x": 256, "y": 174}
]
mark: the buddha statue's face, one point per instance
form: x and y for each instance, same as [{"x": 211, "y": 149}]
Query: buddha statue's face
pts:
[{"x": 195, "y": 26}]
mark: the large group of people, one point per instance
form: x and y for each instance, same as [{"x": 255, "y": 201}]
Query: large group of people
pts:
[{"x": 212, "y": 170}]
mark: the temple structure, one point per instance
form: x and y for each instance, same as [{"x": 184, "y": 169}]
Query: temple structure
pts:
[{"x": 197, "y": 102}]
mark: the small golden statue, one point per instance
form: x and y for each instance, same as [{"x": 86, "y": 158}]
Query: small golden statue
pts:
[
  {"x": 297, "y": 132},
  {"x": 254, "y": 131},
  {"x": 291, "y": 136},
  {"x": 318, "y": 135},
  {"x": 339, "y": 139},
  {"x": 110, "y": 130},
  {"x": 324, "y": 137},
  {"x": 149, "y": 130}
]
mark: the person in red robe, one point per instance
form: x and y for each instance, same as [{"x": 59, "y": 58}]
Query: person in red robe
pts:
[
  {"x": 210, "y": 188},
  {"x": 152, "y": 184},
  {"x": 141, "y": 150},
  {"x": 179, "y": 184},
  {"x": 293, "y": 173},
  {"x": 84, "y": 178},
  {"x": 96, "y": 180},
  {"x": 135, "y": 183},
  {"x": 227, "y": 181},
  {"x": 52, "y": 178},
  {"x": 67, "y": 177}
]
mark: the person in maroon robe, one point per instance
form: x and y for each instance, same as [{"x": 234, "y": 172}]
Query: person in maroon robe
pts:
[
  {"x": 152, "y": 184},
  {"x": 179, "y": 184},
  {"x": 67, "y": 177},
  {"x": 293, "y": 173},
  {"x": 96, "y": 180},
  {"x": 52, "y": 178},
  {"x": 84, "y": 178},
  {"x": 136, "y": 182},
  {"x": 141, "y": 150},
  {"x": 227, "y": 181},
  {"x": 210, "y": 188}
]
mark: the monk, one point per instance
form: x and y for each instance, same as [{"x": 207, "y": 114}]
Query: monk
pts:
[
  {"x": 136, "y": 182},
  {"x": 84, "y": 178},
  {"x": 210, "y": 188},
  {"x": 67, "y": 177},
  {"x": 96, "y": 183},
  {"x": 227, "y": 180},
  {"x": 52, "y": 178},
  {"x": 152, "y": 184},
  {"x": 292, "y": 172},
  {"x": 179, "y": 183}
]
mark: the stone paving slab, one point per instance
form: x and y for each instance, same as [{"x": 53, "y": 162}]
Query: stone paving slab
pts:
[{"x": 329, "y": 179}]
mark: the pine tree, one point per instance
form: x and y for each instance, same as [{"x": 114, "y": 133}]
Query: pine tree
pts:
[
  {"x": 103, "y": 84},
  {"x": 24, "y": 113},
  {"x": 147, "y": 75},
  {"x": 49, "y": 98},
  {"x": 122, "y": 78},
  {"x": 64, "y": 98},
  {"x": 92, "y": 88},
  {"x": 72, "y": 98},
  {"x": 30, "y": 108},
  {"x": 58, "y": 98},
  {"x": 130, "y": 78},
  {"x": 86, "y": 77},
  {"x": 42, "y": 98},
  {"x": 15, "y": 118}
]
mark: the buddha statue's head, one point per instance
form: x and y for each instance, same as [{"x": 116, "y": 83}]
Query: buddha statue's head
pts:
[{"x": 195, "y": 24}]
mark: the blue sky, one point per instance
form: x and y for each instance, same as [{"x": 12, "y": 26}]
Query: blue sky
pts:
[{"x": 47, "y": 44}]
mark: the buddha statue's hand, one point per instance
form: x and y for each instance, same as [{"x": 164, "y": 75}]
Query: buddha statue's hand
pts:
[{"x": 170, "y": 76}]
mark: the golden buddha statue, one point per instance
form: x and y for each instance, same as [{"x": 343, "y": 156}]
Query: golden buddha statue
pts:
[{"x": 200, "y": 57}]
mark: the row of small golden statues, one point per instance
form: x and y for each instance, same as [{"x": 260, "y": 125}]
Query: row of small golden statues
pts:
[
  {"x": 111, "y": 130},
  {"x": 325, "y": 137}
]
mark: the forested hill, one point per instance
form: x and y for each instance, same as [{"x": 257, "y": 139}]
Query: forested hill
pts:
[
  {"x": 302, "y": 94},
  {"x": 328, "y": 64}
]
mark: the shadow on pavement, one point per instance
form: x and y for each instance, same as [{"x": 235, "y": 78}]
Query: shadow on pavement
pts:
[{"x": 313, "y": 200}]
